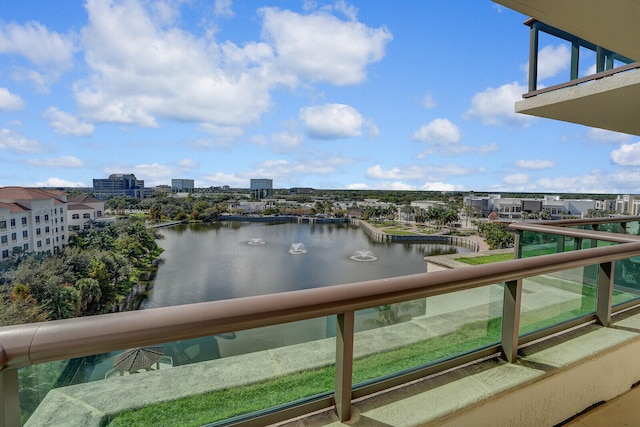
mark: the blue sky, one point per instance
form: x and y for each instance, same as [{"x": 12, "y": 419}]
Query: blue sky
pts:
[{"x": 411, "y": 95}]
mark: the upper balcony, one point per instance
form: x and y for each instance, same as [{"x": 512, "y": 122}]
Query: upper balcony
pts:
[{"x": 606, "y": 99}]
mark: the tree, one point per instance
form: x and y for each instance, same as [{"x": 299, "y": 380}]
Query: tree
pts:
[{"x": 496, "y": 235}]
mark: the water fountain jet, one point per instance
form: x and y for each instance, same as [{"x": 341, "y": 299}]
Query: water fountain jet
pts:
[
  {"x": 297, "y": 248},
  {"x": 363, "y": 256}
]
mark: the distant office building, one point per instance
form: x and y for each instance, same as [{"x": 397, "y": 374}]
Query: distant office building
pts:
[
  {"x": 181, "y": 185},
  {"x": 300, "y": 190},
  {"x": 261, "y": 188},
  {"x": 118, "y": 185},
  {"x": 31, "y": 220}
]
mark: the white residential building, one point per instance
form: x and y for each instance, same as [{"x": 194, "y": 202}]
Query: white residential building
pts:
[
  {"x": 83, "y": 211},
  {"x": 31, "y": 220}
]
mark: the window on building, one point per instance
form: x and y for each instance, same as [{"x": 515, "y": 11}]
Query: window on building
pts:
[
  {"x": 5, "y": 253},
  {"x": 55, "y": 211},
  {"x": 37, "y": 219},
  {"x": 25, "y": 246},
  {"x": 62, "y": 237},
  {"x": 46, "y": 229},
  {"x": 61, "y": 211},
  {"x": 25, "y": 234},
  {"x": 86, "y": 216},
  {"x": 48, "y": 241},
  {"x": 37, "y": 231},
  {"x": 14, "y": 236},
  {"x": 13, "y": 222},
  {"x": 3, "y": 224},
  {"x": 75, "y": 216},
  {"x": 62, "y": 228},
  {"x": 24, "y": 220},
  {"x": 39, "y": 243},
  {"x": 99, "y": 214},
  {"x": 46, "y": 217},
  {"x": 62, "y": 219},
  {"x": 87, "y": 226},
  {"x": 4, "y": 239}
]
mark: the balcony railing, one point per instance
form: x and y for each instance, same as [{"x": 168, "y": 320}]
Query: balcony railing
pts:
[
  {"x": 605, "y": 59},
  {"x": 575, "y": 262}
]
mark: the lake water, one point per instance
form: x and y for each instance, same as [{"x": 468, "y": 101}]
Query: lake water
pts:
[{"x": 207, "y": 262}]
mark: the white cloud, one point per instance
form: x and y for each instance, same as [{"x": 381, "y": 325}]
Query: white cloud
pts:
[
  {"x": 321, "y": 47},
  {"x": 141, "y": 70},
  {"x": 536, "y": 164},
  {"x": 495, "y": 106},
  {"x": 516, "y": 179},
  {"x": 428, "y": 101},
  {"x": 223, "y": 9},
  {"x": 372, "y": 129},
  {"x": 488, "y": 148},
  {"x": 409, "y": 172},
  {"x": 357, "y": 186},
  {"x": 50, "y": 51},
  {"x": 144, "y": 69},
  {"x": 11, "y": 140},
  {"x": 58, "y": 182},
  {"x": 551, "y": 60},
  {"x": 416, "y": 172},
  {"x": 439, "y": 131},
  {"x": 9, "y": 101},
  {"x": 285, "y": 141},
  {"x": 607, "y": 136},
  {"x": 58, "y": 162},
  {"x": 395, "y": 186},
  {"x": 331, "y": 121},
  {"x": 187, "y": 164},
  {"x": 221, "y": 178},
  {"x": 65, "y": 124},
  {"x": 37, "y": 44},
  {"x": 627, "y": 155},
  {"x": 593, "y": 182},
  {"x": 440, "y": 186}
]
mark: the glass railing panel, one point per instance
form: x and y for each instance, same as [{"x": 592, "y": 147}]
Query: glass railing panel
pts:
[
  {"x": 190, "y": 382},
  {"x": 626, "y": 280},
  {"x": 633, "y": 228},
  {"x": 550, "y": 299},
  {"x": 611, "y": 228},
  {"x": 536, "y": 244},
  {"x": 402, "y": 337}
]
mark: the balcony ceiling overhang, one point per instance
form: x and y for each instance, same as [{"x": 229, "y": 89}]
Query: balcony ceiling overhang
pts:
[{"x": 613, "y": 25}]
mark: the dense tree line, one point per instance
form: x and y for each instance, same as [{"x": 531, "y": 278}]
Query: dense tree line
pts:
[
  {"x": 91, "y": 275},
  {"x": 496, "y": 235}
]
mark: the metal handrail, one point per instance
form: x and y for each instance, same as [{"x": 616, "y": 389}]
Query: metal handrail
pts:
[
  {"x": 578, "y": 81},
  {"x": 32, "y": 343}
]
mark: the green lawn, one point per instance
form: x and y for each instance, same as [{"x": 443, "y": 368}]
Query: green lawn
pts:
[{"x": 486, "y": 259}]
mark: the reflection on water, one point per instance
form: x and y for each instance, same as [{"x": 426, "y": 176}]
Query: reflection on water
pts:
[{"x": 206, "y": 262}]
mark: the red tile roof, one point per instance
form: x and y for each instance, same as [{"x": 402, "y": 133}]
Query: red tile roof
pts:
[{"x": 23, "y": 193}]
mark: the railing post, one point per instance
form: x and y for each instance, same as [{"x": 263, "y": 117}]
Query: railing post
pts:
[
  {"x": 575, "y": 59},
  {"x": 344, "y": 364},
  {"x": 533, "y": 57},
  {"x": 604, "y": 293},
  {"x": 511, "y": 319},
  {"x": 9, "y": 398}
]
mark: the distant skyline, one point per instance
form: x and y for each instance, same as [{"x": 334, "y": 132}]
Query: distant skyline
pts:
[{"x": 411, "y": 95}]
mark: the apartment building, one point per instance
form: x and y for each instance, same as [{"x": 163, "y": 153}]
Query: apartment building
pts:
[
  {"x": 84, "y": 211},
  {"x": 31, "y": 220}
]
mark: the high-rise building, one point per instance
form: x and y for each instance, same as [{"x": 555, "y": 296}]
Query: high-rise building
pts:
[
  {"x": 181, "y": 184},
  {"x": 261, "y": 188},
  {"x": 120, "y": 185}
]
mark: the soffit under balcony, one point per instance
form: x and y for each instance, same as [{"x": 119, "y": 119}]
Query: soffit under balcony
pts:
[{"x": 610, "y": 24}]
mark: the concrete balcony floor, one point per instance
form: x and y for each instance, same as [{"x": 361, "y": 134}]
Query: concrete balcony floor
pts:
[{"x": 622, "y": 411}]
